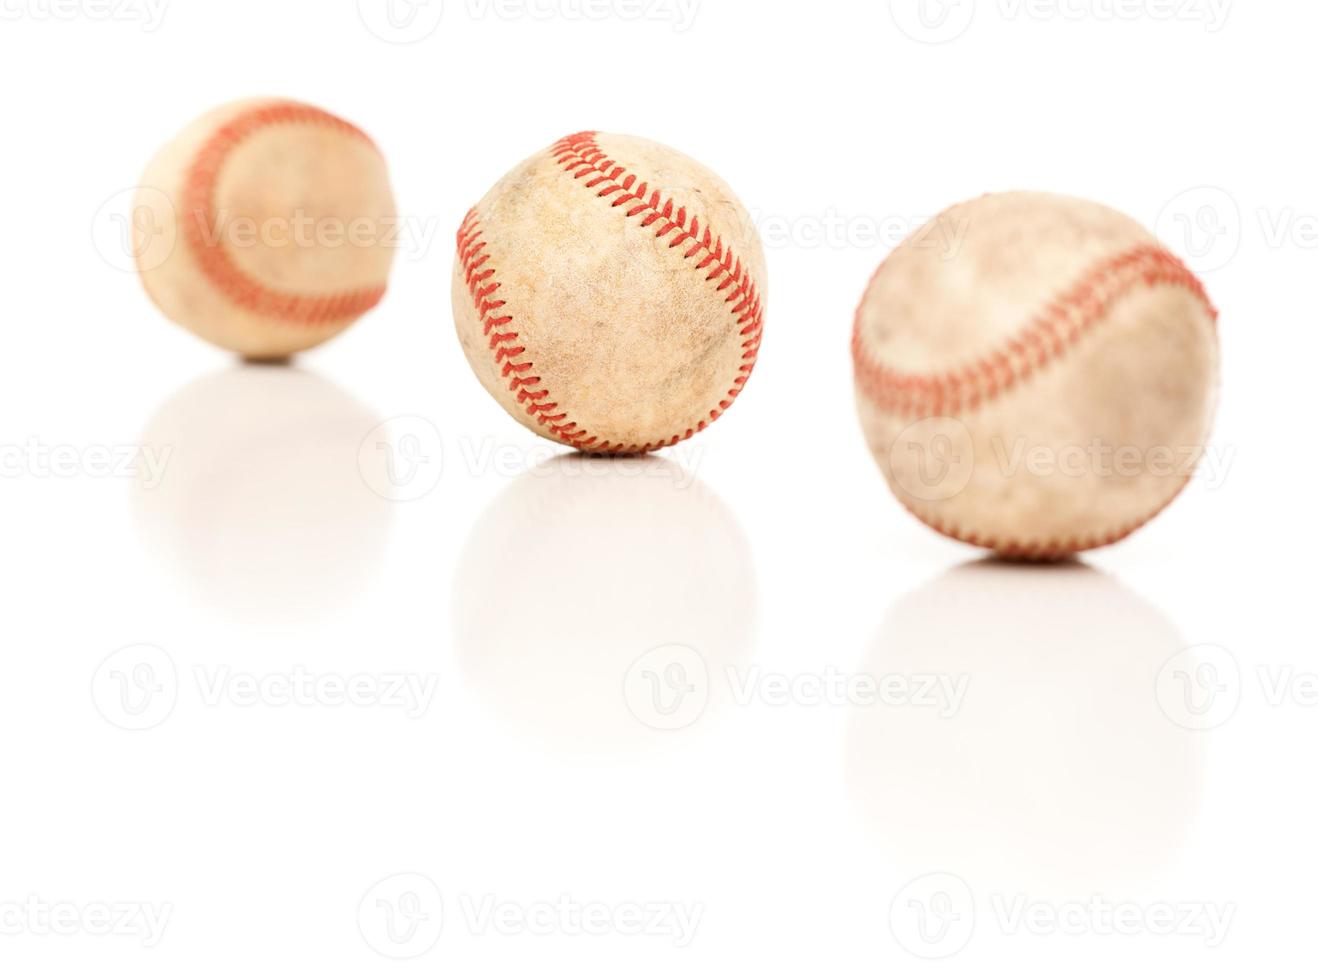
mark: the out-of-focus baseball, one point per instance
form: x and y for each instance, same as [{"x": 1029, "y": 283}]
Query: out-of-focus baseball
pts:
[
  {"x": 1044, "y": 387},
  {"x": 266, "y": 227},
  {"x": 608, "y": 292}
]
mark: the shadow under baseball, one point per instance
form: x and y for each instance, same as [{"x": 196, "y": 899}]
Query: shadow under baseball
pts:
[
  {"x": 590, "y": 595},
  {"x": 261, "y": 507},
  {"x": 1059, "y": 770}
]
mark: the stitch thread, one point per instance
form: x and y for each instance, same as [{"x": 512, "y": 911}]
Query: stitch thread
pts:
[
  {"x": 1052, "y": 334},
  {"x": 1052, "y": 549},
  {"x": 580, "y": 157},
  {"x": 217, "y": 265}
]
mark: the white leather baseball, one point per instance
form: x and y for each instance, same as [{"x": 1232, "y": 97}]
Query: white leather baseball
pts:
[
  {"x": 1047, "y": 388},
  {"x": 608, "y": 292},
  {"x": 266, "y": 227}
]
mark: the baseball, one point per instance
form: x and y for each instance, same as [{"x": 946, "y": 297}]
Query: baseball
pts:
[
  {"x": 609, "y": 293},
  {"x": 266, "y": 227},
  {"x": 1045, "y": 387}
]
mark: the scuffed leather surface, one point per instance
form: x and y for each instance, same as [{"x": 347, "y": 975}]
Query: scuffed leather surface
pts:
[
  {"x": 630, "y": 340},
  {"x": 278, "y": 173},
  {"x": 1145, "y": 376}
]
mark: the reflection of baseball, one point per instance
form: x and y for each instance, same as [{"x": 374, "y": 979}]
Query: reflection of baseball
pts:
[
  {"x": 603, "y": 609},
  {"x": 266, "y": 227},
  {"x": 1040, "y": 755},
  {"x": 261, "y": 499},
  {"x": 1045, "y": 389},
  {"x": 609, "y": 294}
]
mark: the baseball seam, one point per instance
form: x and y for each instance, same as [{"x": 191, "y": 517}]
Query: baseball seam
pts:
[
  {"x": 580, "y": 156},
  {"x": 1048, "y": 337},
  {"x": 1052, "y": 549},
  {"x": 217, "y": 265}
]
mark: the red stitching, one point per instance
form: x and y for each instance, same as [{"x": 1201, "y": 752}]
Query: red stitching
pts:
[
  {"x": 1045, "y": 339},
  {"x": 581, "y": 157},
  {"x": 216, "y": 264},
  {"x": 1050, "y": 335},
  {"x": 1052, "y": 549}
]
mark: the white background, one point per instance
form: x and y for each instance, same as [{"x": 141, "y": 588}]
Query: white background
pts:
[{"x": 520, "y": 592}]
